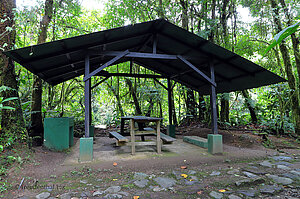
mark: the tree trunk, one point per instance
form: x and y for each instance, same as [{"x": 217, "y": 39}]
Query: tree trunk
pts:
[
  {"x": 116, "y": 94},
  {"x": 133, "y": 94},
  {"x": 295, "y": 39},
  {"x": 202, "y": 107},
  {"x": 12, "y": 121},
  {"x": 250, "y": 106},
  {"x": 288, "y": 69},
  {"x": 160, "y": 10},
  {"x": 175, "y": 122},
  {"x": 190, "y": 102},
  {"x": 36, "y": 130},
  {"x": 224, "y": 113}
]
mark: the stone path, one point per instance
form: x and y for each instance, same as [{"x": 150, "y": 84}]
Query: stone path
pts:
[{"x": 275, "y": 177}]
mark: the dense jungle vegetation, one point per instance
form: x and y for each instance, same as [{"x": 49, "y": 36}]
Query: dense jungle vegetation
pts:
[{"x": 25, "y": 99}]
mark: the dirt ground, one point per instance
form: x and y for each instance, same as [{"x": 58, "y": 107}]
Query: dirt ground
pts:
[{"x": 239, "y": 147}]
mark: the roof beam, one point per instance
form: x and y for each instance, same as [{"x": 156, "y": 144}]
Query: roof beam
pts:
[
  {"x": 160, "y": 84},
  {"x": 139, "y": 55},
  {"x": 110, "y": 62},
  {"x": 132, "y": 75},
  {"x": 206, "y": 53},
  {"x": 100, "y": 82},
  {"x": 197, "y": 70}
]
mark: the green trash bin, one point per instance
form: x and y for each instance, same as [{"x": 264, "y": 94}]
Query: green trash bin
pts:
[
  {"x": 92, "y": 131},
  {"x": 171, "y": 130},
  {"x": 59, "y": 133}
]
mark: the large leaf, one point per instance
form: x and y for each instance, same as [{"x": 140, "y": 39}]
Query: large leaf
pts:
[
  {"x": 282, "y": 35},
  {"x": 9, "y": 99},
  {"x": 7, "y": 108}
]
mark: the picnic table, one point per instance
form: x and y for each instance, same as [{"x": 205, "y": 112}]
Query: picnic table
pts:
[{"x": 141, "y": 120}]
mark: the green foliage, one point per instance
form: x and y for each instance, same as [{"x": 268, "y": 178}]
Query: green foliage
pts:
[{"x": 279, "y": 37}]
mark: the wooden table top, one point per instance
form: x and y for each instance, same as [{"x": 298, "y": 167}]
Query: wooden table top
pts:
[{"x": 141, "y": 118}]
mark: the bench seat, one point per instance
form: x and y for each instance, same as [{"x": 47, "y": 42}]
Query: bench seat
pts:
[{"x": 120, "y": 139}]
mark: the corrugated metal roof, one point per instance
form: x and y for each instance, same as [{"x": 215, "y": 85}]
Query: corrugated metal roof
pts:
[{"x": 61, "y": 60}]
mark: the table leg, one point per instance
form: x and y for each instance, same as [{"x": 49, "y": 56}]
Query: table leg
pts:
[
  {"x": 132, "y": 136},
  {"x": 122, "y": 126},
  {"x": 158, "y": 141}
]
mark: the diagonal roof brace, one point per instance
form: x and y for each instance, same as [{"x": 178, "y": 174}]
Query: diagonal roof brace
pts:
[
  {"x": 197, "y": 70},
  {"x": 110, "y": 62}
]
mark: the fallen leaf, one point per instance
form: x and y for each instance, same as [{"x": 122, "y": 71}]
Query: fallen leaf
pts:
[
  {"x": 222, "y": 190},
  {"x": 183, "y": 167},
  {"x": 136, "y": 197},
  {"x": 115, "y": 179},
  {"x": 115, "y": 164},
  {"x": 184, "y": 175},
  {"x": 199, "y": 192}
]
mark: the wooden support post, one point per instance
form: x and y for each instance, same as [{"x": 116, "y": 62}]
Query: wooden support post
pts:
[
  {"x": 90, "y": 102},
  {"x": 158, "y": 141},
  {"x": 213, "y": 100},
  {"x": 87, "y": 97},
  {"x": 132, "y": 135},
  {"x": 170, "y": 101}
]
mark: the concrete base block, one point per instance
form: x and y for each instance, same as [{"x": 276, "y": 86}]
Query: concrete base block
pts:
[
  {"x": 86, "y": 149},
  {"x": 215, "y": 143},
  {"x": 202, "y": 142}
]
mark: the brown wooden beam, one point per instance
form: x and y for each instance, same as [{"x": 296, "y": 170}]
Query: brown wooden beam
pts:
[
  {"x": 100, "y": 82},
  {"x": 160, "y": 84},
  {"x": 130, "y": 75}
]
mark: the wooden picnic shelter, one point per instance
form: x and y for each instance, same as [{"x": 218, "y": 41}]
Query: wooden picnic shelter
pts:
[{"x": 170, "y": 51}]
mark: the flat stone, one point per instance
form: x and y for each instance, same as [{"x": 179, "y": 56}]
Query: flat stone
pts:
[
  {"x": 283, "y": 163},
  {"x": 140, "y": 176},
  {"x": 124, "y": 193},
  {"x": 215, "y": 173},
  {"x": 248, "y": 193},
  {"x": 232, "y": 196},
  {"x": 216, "y": 195},
  {"x": 24, "y": 197},
  {"x": 249, "y": 175},
  {"x": 291, "y": 176},
  {"x": 255, "y": 170},
  {"x": 43, "y": 195},
  {"x": 188, "y": 182},
  {"x": 165, "y": 182},
  {"x": 177, "y": 175},
  {"x": 281, "y": 158},
  {"x": 65, "y": 196},
  {"x": 192, "y": 172},
  {"x": 233, "y": 171},
  {"x": 270, "y": 189},
  {"x": 113, "y": 189},
  {"x": 247, "y": 182},
  {"x": 157, "y": 188},
  {"x": 193, "y": 178},
  {"x": 281, "y": 180},
  {"x": 98, "y": 193},
  {"x": 86, "y": 194},
  {"x": 283, "y": 167},
  {"x": 266, "y": 163},
  {"x": 295, "y": 172},
  {"x": 111, "y": 196},
  {"x": 141, "y": 183},
  {"x": 83, "y": 181}
]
